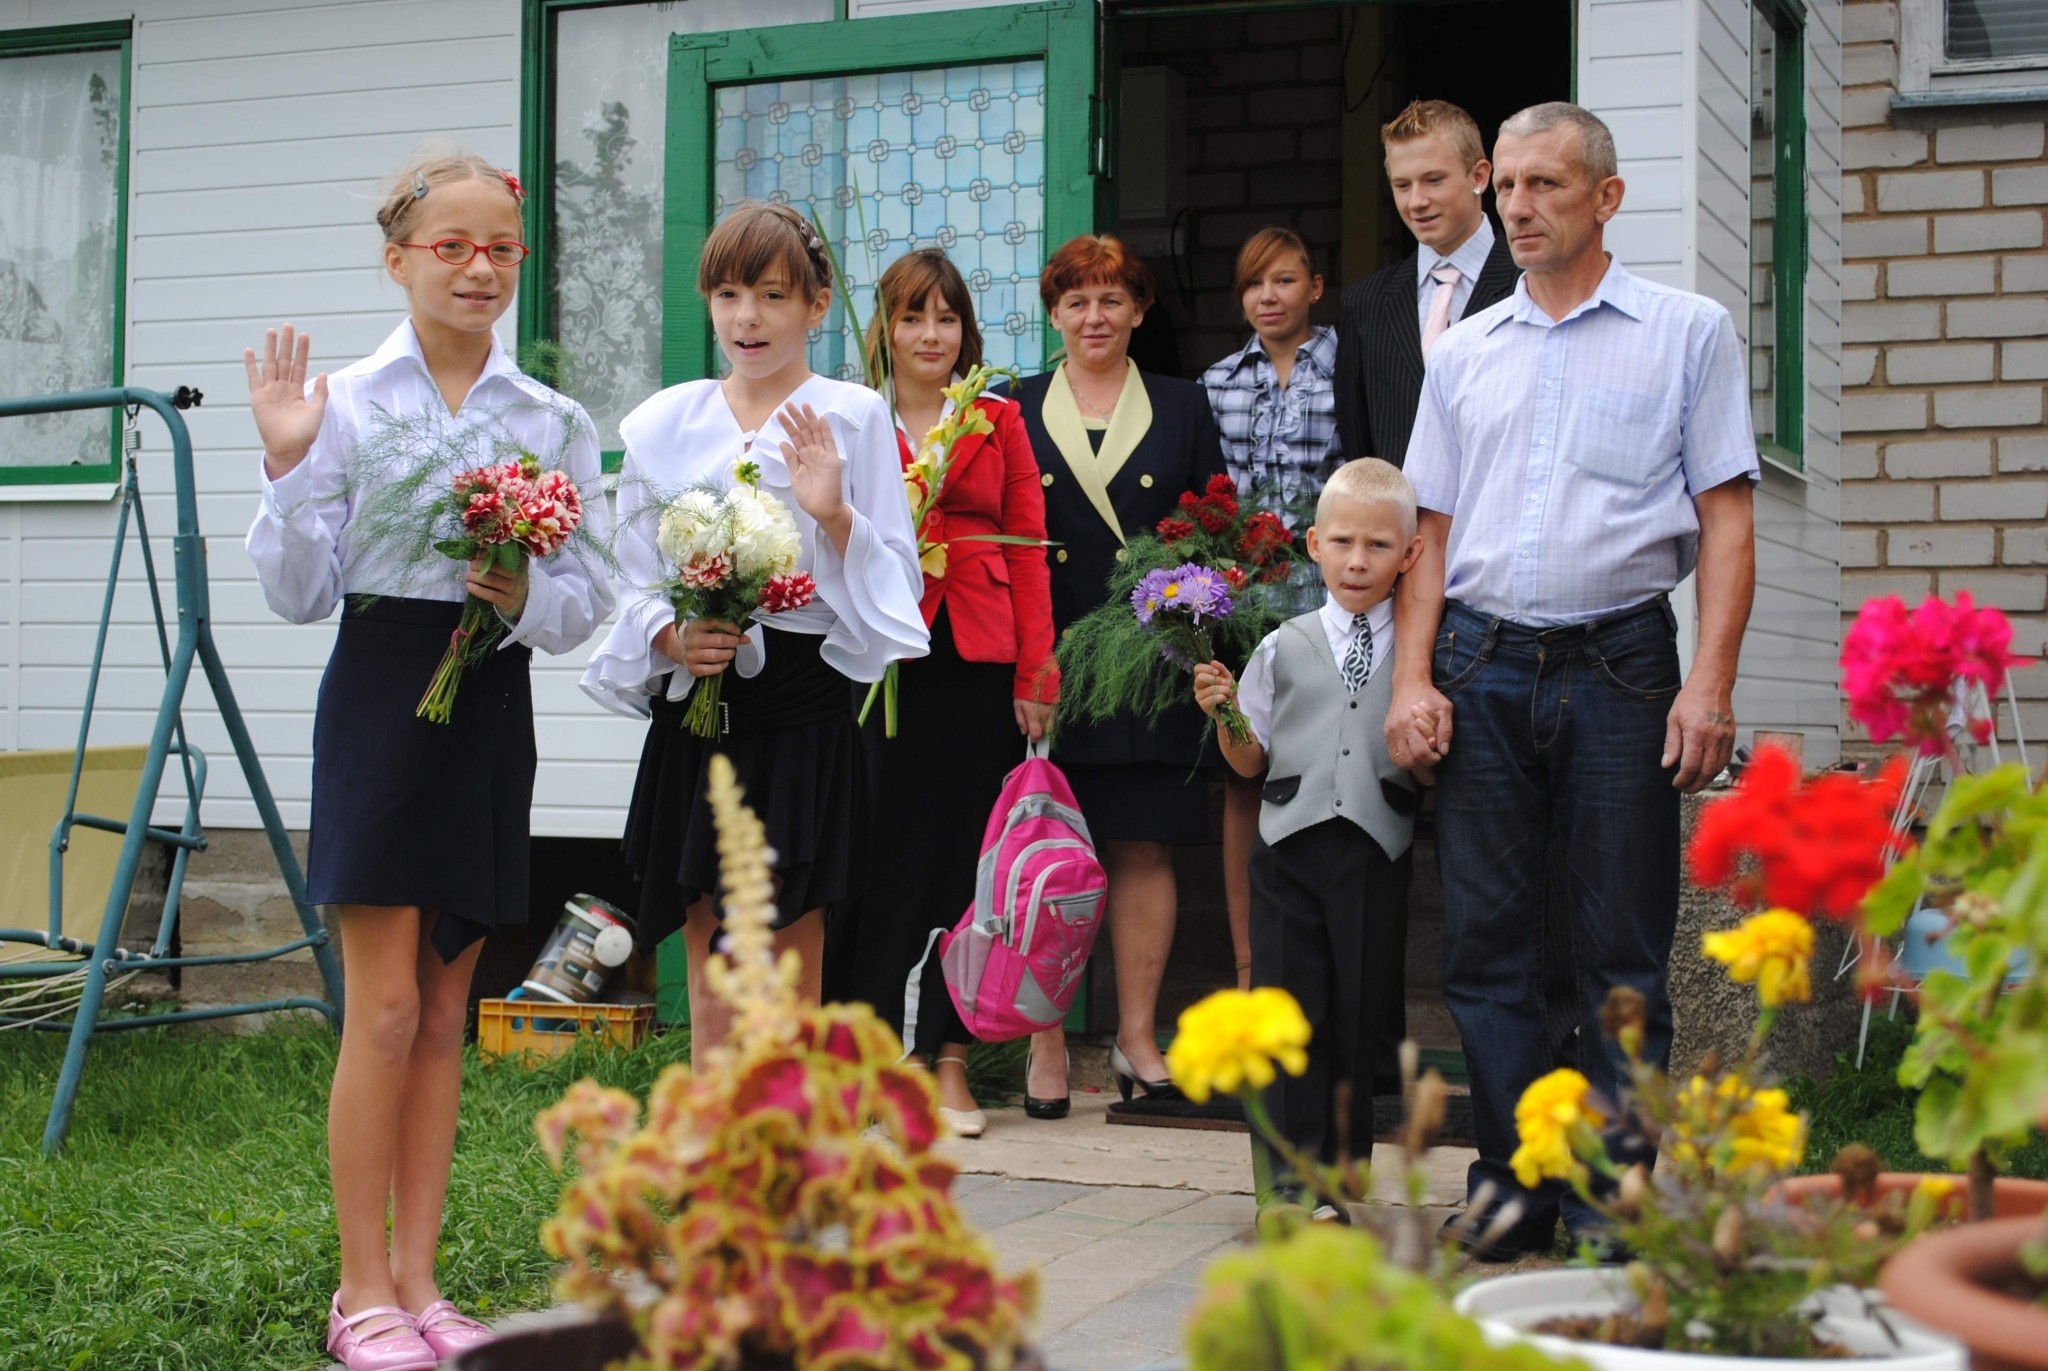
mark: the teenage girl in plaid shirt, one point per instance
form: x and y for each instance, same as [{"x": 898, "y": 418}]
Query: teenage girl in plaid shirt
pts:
[{"x": 1276, "y": 406}]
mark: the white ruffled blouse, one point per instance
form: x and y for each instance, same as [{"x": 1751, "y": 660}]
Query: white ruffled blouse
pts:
[
  {"x": 867, "y": 602},
  {"x": 301, "y": 543}
]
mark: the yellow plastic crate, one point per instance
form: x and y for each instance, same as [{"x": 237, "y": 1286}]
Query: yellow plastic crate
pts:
[{"x": 537, "y": 1029}]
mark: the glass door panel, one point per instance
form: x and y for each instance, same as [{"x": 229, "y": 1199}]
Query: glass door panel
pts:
[{"x": 947, "y": 157}]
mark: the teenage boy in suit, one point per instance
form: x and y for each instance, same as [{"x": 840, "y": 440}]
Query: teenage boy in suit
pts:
[
  {"x": 1332, "y": 862},
  {"x": 1437, "y": 168}
]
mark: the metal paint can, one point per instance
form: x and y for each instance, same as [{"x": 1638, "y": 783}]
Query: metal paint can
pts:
[{"x": 593, "y": 939}]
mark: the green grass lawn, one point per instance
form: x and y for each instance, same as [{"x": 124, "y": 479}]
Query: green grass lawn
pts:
[
  {"x": 1871, "y": 1107},
  {"x": 187, "y": 1227}
]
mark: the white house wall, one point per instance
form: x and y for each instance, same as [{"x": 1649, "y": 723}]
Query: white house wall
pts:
[
  {"x": 258, "y": 132},
  {"x": 1671, "y": 78}
]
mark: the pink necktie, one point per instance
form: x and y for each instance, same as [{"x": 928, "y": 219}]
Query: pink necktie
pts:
[{"x": 1446, "y": 278}]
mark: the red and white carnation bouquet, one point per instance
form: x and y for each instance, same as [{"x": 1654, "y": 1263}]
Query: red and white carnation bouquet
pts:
[{"x": 508, "y": 512}]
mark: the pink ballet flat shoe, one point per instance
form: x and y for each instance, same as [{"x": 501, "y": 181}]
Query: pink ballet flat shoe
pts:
[
  {"x": 451, "y": 1332},
  {"x": 356, "y": 1343}
]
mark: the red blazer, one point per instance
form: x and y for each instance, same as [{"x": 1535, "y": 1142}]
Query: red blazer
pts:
[{"x": 1000, "y": 593}]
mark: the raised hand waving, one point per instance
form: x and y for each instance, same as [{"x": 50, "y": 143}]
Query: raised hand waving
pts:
[{"x": 286, "y": 417}]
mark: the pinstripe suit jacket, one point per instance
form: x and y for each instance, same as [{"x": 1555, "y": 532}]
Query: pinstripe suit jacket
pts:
[{"x": 1379, "y": 352}]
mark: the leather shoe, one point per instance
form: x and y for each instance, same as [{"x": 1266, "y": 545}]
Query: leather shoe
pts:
[
  {"x": 1056, "y": 1108},
  {"x": 1597, "y": 1240},
  {"x": 1529, "y": 1235}
]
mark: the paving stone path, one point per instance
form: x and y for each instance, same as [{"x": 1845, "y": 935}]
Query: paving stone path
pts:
[{"x": 1120, "y": 1221}]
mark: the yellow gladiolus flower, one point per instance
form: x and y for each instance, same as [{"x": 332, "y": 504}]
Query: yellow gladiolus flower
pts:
[
  {"x": 1237, "y": 1040},
  {"x": 1552, "y": 1112},
  {"x": 1773, "y": 949}
]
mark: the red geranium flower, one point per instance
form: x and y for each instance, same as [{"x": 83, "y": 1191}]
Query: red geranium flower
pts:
[
  {"x": 1265, "y": 537},
  {"x": 1817, "y": 847},
  {"x": 1188, "y": 499},
  {"x": 1213, "y": 518},
  {"x": 1223, "y": 486}
]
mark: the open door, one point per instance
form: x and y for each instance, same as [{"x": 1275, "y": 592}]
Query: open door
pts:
[{"x": 978, "y": 131}]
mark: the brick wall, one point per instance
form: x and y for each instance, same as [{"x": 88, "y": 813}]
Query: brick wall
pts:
[
  {"x": 1944, "y": 456},
  {"x": 1264, "y": 105}
]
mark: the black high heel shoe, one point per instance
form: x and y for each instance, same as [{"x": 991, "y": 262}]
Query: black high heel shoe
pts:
[
  {"x": 1127, "y": 1076},
  {"x": 1035, "y": 1108}
]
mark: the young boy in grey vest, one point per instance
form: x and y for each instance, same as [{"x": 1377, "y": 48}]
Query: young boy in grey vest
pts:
[{"x": 1331, "y": 866}]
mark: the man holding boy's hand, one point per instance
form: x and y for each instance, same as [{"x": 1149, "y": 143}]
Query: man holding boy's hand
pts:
[{"x": 1581, "y": 447}]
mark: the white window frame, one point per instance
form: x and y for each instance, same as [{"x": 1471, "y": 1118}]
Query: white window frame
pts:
[{"x": 1927, "y": 77}]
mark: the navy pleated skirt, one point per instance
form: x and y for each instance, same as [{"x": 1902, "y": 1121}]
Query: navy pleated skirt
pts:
[
  {"x": 407, "y": 812},
  {"x": 791, "y": 737}
]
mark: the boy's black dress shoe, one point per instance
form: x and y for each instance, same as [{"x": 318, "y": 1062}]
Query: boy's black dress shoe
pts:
[
  {"x": 1598, "y": 1241},
  {"x": 1529, "y": 1235}
]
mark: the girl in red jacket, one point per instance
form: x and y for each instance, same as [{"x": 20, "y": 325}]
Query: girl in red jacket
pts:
[{"x": 964, "y": 712}]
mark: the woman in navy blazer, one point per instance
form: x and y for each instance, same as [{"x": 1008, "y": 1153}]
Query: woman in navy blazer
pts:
[
  {"x": 1117, "y": 447},
  {"x": 966, "y": 710}
]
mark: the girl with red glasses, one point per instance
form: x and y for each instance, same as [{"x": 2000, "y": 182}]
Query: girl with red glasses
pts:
[{"x": 419, "y": 828}]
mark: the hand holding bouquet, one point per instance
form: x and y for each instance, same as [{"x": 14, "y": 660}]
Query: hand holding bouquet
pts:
[
  {"x": 1207, "y": 584},
  {"x": 509, "y": 512},
  {"x": 734, "y": 553}
]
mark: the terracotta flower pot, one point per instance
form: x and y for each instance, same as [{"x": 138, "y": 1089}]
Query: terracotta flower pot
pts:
[
  {"x": 2011, "y": 1198},
  {"x": 1968, "y": 1281}
]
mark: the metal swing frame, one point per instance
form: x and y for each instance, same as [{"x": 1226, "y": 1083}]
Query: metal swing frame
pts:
[{"x": 104, "y": 956}]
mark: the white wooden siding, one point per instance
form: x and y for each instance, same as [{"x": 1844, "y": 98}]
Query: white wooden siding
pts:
[
  {"x": 1671, "y": 78},
  {"x": 258, "y": 132}
]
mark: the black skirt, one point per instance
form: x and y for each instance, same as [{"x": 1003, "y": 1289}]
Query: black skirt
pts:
[
  {"x": 790, "y": 735},
  {"x": 932, "y": 787},
  {"x": 407, "y": 812}
]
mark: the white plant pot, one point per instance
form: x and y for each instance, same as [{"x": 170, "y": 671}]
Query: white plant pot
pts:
[{"x": 1507, "y": 1306}]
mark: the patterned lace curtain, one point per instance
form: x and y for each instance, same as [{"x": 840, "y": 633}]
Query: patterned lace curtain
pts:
[{"x": 60, "y": 141}]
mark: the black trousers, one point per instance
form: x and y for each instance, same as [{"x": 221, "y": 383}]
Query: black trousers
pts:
[{"x": 1329, "y": 908}]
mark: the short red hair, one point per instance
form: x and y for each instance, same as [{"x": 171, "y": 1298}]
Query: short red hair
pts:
[{"x": 1095, "y": 259}]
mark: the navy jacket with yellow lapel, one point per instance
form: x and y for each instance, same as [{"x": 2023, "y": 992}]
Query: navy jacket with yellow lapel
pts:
[{"x": 1179, "y": 452}]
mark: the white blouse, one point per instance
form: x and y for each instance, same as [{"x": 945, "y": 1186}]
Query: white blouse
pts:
[
  {"x": 301, "y": 543},
  {"x": 867, "y": 601}
]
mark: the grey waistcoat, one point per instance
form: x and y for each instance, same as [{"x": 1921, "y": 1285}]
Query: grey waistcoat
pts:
[{"x": 1327, "y": 758}]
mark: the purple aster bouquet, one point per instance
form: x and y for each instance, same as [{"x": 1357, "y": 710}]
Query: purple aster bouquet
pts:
[{"x": 1179, "y": 606}]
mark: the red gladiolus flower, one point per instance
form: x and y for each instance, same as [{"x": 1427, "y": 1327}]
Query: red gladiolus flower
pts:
[
  {"x": 1817, "y": 847},
  {"x": 1900, "y": 669},
  {"x": 1172, "y": 530}
]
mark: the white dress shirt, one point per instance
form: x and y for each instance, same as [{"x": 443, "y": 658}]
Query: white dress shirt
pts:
[
  {"x": 867, "y": 602},
  {"x": 1469, "y": 259},
  {"x": 1568, "y": 452},
  {"x": 308, "y": 556},
  {"x": 1255, "y": 687}
]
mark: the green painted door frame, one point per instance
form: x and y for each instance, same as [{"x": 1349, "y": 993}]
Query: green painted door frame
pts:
[{"x": 1063, "y": 34}]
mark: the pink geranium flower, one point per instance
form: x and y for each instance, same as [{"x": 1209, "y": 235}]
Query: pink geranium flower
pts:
[{"x": 1900, "y": 668}]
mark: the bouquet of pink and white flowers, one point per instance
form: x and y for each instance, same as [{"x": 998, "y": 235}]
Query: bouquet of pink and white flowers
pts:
[
  {"x": 734, "y": 553},
  {"x": 508, "y": 512}
]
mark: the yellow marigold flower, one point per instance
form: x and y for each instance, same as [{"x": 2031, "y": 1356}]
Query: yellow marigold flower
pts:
[
  {"x": 1772, "y": 949},
  {"x": 1939, "y": 1188},
  {"x": 1552, "y": 1111},
  {"x": 1767, "y": 1135},
  {"x": 1235, "y": 1039},
  {"x": 1746, "y": 1128}
]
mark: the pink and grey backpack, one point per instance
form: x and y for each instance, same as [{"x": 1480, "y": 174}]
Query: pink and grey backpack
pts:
[{"x": 1013, "y": 961}]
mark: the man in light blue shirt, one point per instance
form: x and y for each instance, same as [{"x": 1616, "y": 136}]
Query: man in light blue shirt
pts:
[{"x": 1581, "y": 448}]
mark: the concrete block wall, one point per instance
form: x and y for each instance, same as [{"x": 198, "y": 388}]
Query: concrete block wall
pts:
[
  {"x": 1265, "y": 101},
  {"x": 1945, "y": 357}
]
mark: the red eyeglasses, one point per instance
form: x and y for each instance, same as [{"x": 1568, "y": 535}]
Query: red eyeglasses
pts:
[{"x": 458, "y": 252}]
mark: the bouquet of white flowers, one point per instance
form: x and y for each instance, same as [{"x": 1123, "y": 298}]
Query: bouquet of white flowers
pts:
[{"x": 735, "y": 553}]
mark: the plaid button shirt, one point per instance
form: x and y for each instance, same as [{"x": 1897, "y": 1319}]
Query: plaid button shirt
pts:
[{"x": 1280, "y": 445}]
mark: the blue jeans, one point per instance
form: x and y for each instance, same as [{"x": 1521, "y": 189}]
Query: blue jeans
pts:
[{"x": 1553, "y": 730}]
